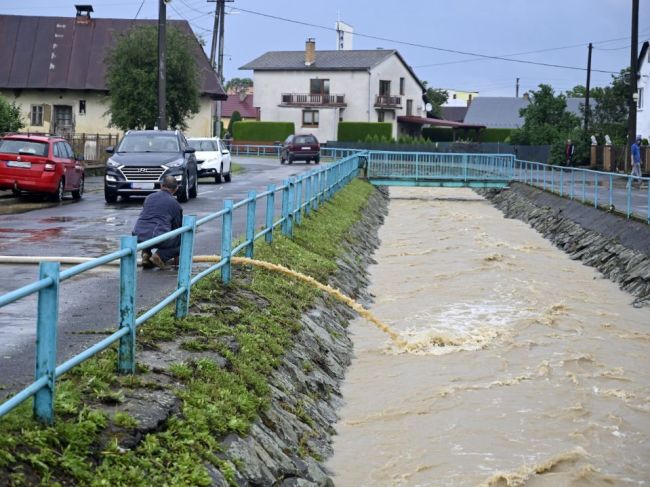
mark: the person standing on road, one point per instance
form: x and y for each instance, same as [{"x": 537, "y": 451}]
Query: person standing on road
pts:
[
  {"x": 161, "y": 213},
  {"x": 569, "y": 151},
  {"x": 636, "y": 159}
]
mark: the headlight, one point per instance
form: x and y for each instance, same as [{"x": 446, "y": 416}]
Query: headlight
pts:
[
  {"x": 112, "y": 163},
  {"x": 176, "y": 163}
]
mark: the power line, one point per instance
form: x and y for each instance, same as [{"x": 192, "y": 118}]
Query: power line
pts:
[
  {"x": 140, "y": 8},
  {"x": 414, "y": 44}
]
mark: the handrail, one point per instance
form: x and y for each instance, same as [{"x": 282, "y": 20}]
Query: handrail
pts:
[{"x": 300, "y": 195}]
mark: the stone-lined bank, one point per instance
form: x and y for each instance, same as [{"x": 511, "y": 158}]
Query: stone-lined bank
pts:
[{"x": 617, "y": 247}]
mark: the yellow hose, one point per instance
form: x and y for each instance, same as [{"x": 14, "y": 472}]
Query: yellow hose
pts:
[{"x": 323, "y": 287}]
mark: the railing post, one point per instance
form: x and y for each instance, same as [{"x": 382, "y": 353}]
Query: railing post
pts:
[
  {"x": 316, "y": 183},
  {"x": 128, "y": 270},
  {"x": 596, "y": 190},
  {"x": 185, "y": 266},
  {"x": 46, "y": 328},
  {"x": 573, "y": 181},
  {"x": 465, "y": 162},
  {"x": 561, "y": 182},
  {"x": 628, "y": 210},
  {"x": 611, "y": 190},
  {"x": 226, "y": 241},
  {"x": 250, "y": 223},
  {"x": 270, "y": 209},
  {"x": 308, "y": 186},
  {"x": 298, "y": 205},
  {"x": 285, "y": 207},
  {"x": 290, "y": 209}
]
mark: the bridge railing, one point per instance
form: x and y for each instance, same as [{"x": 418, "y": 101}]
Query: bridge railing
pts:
[
  {"x": 422, "y": 166},
  {"x": 299, "y": 196},
  {"x": 610, "y": 191},
  {"x": 274, "y": 151}
]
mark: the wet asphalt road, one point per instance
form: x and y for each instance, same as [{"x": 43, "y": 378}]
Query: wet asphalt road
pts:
[{"x": 90, "y": 228}]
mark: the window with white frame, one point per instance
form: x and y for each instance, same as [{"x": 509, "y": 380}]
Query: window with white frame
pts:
[
  {"x": 36, "y": 116},
  {"x": 310, "y": 118},
  {"x": 639, "y": 103}
]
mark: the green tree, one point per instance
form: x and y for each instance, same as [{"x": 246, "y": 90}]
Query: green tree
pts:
[
  {"x": 238, "y": 84},
  {"x": 10, "y": 119},
  {"x": 609, "y": 113},
  {"x": 132, "y": 79},
  {"x": 578, "y": 91},
  {"x": 234, "y": 118},
  {"x": 437, "y": 97}
]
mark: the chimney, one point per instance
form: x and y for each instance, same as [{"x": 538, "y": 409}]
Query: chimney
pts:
[
  {"x": 310, "y": 51},
  {"x": 83, "y": 14},
  {"x": 526, "y": 96}
]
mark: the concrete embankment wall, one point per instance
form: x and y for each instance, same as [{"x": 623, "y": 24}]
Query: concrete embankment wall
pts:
[{"x": 617, "y": 247}]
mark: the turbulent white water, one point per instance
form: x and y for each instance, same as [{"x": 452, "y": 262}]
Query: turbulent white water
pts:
[{"x": 524, "y": 367}]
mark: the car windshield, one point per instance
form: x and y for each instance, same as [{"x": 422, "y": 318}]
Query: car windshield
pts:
[
  {"x": 304, "y": 139},
  {"x": 17, "y": 146},
  {"x": 203, "y": 145},
  {"x": 149, "y": 143}
]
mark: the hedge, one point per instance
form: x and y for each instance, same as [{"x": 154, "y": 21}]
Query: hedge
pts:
[
  {"x": 359, "y": 131},
  {"x": 495, "y": 135},
  {"x": 262, "y": 131},
  {"x": 438, "y": 134}
]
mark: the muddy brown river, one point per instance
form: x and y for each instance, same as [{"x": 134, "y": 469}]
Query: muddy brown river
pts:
[{"x": 524, "y": 367}]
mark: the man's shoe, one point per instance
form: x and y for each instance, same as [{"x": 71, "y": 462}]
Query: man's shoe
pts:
[
  {"x": 173, "y": 261},
  {"x": 157, "y": 261},
  {"x": 146, "y": 260}
]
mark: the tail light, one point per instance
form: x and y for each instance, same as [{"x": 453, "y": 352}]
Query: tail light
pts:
[{"x": 49, "y": 166}]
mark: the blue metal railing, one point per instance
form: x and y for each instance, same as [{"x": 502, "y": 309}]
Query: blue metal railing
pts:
[
  {"x": 274, "y": 151},
  {"x": 300, "y": 195},
  {"x": 613, "y": 192}
]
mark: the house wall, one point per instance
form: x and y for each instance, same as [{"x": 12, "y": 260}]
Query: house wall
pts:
[
  {"x": 643, "y": 112},
  {"x": 359, "y": 87},
  {"x": 94, "y": 121}
]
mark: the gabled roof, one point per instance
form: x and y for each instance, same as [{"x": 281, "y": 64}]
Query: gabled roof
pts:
[
  {"x": 641, "y": 60},
  {"x": 245, "y": 107},
  {"x": 456, "y": 114},
  {"x": 503, "y": 111},
  {"x": 345, "y": 60},
  {"x": 59, "y": 53}
]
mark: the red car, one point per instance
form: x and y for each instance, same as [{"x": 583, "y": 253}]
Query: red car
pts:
[
  {"x": 40, "y": 164},
  {"x": 301, "y": 147}
]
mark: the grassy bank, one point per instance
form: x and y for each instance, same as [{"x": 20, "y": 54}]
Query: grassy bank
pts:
[{"x": 232, "y": 341}]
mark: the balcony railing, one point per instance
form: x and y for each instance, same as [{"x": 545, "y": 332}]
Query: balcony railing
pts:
[
  {"x": 313, "y": 100},
  {"x": 388, "y": 101}
]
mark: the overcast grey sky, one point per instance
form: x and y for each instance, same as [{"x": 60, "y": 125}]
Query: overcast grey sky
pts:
[{"x": 417, "y": 29}]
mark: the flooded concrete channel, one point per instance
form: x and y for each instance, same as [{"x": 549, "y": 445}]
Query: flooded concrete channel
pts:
[{"x": 525, "y": 367}]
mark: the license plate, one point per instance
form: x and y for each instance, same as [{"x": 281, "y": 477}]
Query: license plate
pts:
[
  {"x": 21, "y": 164},
  {"x": 142, "y": 185},
  {"x": 306, "y": 148}
]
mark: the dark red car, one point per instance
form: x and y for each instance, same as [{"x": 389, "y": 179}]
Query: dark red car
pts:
[
  {"x": 40, "y": 164},
  {"x": 300, "y": 147}
]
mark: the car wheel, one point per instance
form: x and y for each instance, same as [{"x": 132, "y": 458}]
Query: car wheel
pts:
[
  {"x": 226, "y": 177},
  {"x": 110, "y": 196},
  {"x": 281, "y": 159},
  {"x": 317, "y": 160},
  {"x": 217, "y": 178},
  {"x": 194, "y": 190},
  {"x": 78, "y": 193},
  {"x": 15, "y": 191},
  {"x": 58, "y": 194},
  {"x": 184, "y": 191},
  {"x": 289, "y": 159}
]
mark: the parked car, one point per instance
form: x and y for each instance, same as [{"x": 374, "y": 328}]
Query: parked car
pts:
[
  {"x": 301, "y": 147},
  {"x": 143, "y": 157},
  {"x": 212, "y": 158},
  {"x": 40, "y": 164}
]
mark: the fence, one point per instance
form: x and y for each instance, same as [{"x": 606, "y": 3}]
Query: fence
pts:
[
  {"x": 300, "y": 195},
  {"x": 92, "y": 146},
  {"x": 610, "y": 191},
  {"x": 255, "y": 150}
]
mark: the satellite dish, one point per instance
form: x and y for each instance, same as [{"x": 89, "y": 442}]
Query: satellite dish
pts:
[{"x": 428, "y": 107}]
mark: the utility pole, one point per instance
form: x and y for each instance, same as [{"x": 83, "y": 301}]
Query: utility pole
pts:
[
  {"x": 517, "y": 89},
  {"x": 587, "y": 106},
  {"x": 215, "y": 30},
  {"x": 162, "y": 87},
  {"x": 631, "y": 127},
  {"x": 222, "y": 15}
]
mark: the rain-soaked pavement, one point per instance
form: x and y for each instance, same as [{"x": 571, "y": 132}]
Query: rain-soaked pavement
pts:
[{"x": 91, "y": 228}]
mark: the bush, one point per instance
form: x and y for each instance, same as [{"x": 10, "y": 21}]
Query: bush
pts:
[
  {"x": 358, "y": 131},
  {"x": 494, "y": 135},
  {"x": 9, "y": 117},
  {"x": 261, "y": 131},
  {"x": 234, "y": 118}
]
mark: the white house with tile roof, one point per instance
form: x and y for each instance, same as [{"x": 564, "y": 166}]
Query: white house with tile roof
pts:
[{"x": 318, "y": 89}]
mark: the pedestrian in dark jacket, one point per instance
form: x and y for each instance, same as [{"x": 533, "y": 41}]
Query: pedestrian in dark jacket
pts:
[
  {"x": 569, "y": 152},
  {"x": 161, "y": 213}
]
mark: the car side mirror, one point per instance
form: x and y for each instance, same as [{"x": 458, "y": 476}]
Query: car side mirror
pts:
[
  {"x": 79, "y": 157},
  {"x": 110, "y": 149},
  {"x": 225, "y": 152},
  {"x": 189, "y": 150}
]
